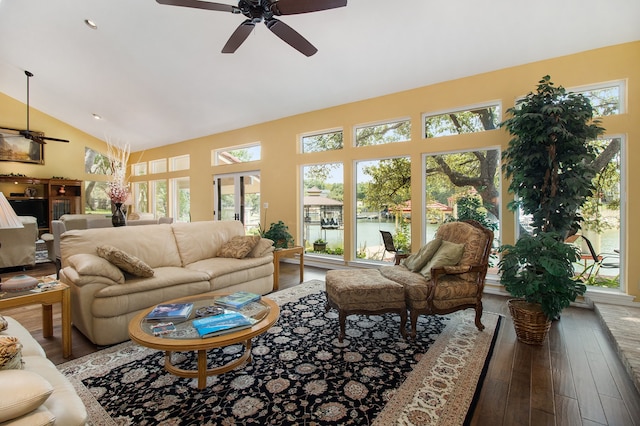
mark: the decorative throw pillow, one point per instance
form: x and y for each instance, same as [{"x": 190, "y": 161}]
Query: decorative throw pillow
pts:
[
  {"x": 88, "y": 264},
  {"x": 10, "y": 353},
  {"x": 125, "y": 261},
  {"x": 263, "y": 247},
  {"x": 24, "y": 391},
  {"x": 239, "y": 246},
  {"x": 449, "y": 254},
  {"x": 416, "y": 261},
  {"x": 3, "y": 323}
]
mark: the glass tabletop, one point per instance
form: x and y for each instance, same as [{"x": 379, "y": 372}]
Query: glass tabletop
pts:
[{"x": 184, "y": 328}]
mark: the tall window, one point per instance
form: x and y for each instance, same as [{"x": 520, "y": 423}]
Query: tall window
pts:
[
  {"x": 383, "y": 192},
  {"x": 180, "y": 200},
  {"x": 463, "y": 185},
  {"x": 318, "y": 142},
  {"x": 323, "y": 220},
  {"x": 471, "y": 120},
  {"x": 159, "y": 202},
  {"x": 383, "y": 133},
  {"x": 141, "y": 197},
  {"x": 603, "y": 222}
]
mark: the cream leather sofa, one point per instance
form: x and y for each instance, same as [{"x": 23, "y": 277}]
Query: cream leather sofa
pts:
[
  {"x": 184, "y": 262},
  {"x": 23, "y": 390},
  {"x": 19, "y": 244}
]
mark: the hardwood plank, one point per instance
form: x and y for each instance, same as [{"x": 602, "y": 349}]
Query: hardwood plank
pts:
[
  {"x": 588, "y": 398},
  {"x": 616, "y": 411},
  {"x": 542, "y": 418},
  {"x": 541, "y": 381},
  {"x": 518, "y": 407},
  {"x": 567, "y": 411}
]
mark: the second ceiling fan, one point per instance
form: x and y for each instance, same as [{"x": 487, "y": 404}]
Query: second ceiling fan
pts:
[{"x": 257, "y": 11}]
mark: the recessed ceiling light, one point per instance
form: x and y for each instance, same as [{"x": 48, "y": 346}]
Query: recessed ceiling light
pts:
[
  {"x": 97, "y": 117},
  {"x": 91, "y": 24}
]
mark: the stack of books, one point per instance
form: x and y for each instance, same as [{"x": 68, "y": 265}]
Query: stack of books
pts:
[
  {"x": 227, "y": 322},
  {"x": 237, "y": 300},
  {"x": 170, "y": 312}
]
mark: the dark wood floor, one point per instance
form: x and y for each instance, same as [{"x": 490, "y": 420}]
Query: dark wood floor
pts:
[{"x": 575, "y": 378}]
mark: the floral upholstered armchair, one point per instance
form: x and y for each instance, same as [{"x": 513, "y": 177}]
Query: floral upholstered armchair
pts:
[{"x": 448, "y": 273}]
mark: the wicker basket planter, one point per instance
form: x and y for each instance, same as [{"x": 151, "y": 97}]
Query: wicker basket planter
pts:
[{"x": 531, "y": 324}]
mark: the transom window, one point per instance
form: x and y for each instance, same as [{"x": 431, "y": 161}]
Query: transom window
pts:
[
  {"x": 606, "y": 98},
  {"x": 319, "y": 142},
  {"x": 237, "y": 154},
  {"x": 383, "y": 133},
  {"x": 469, "y": 120}
]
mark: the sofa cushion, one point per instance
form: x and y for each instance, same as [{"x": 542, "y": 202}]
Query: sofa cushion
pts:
[
  {"x": 10, "y": 353},
  {"x": 28, "y": 391},
  {"x": 38, "y": 417},
  {"x": 125, "y": 261},
  {"x": 203, "y": 240},
  {"x": 89, "y": 264},
  {"x": 239, "y": 246},
  {"x": 415, "y": 262},
  {"x": 448, "y": 254}
]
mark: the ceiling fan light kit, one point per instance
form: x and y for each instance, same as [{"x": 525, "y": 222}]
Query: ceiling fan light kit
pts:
[{"x": 257, "y": 11}]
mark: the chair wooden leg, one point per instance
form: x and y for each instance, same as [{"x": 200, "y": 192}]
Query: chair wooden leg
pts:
[
  {"x": 414, "y": 322},
  {"x": 342, "y": 318},
  {"x": 403, "y": 322},
  {"x": 479, "y": 316}
]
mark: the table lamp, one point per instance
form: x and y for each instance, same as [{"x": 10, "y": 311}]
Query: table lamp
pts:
[{"x": 8, "y": 217}]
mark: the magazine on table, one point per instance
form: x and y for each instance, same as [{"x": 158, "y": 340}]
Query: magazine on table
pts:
[
  {"x": 238, "y": 299},
  {"x": 170, "y": 311},
  {"x": 227, "y": 322}
]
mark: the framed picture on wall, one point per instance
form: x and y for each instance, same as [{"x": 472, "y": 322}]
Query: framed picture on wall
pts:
[{"x": 15, "y": 147}]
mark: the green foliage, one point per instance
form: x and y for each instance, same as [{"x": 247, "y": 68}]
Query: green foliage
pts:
[
  {"x": 279, "y": 234},
  {"x": 549, "y": 160},
  {"x": 402, "y": 238},
  {"x": 320, "y": 241},
  {"x": 539, "y": 269},
  {"x": 470, "y": 207},
  {"x": 391, "y": 183}
]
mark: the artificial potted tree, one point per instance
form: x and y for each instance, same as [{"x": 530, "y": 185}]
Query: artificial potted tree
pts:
[{"x": 548, "y": 162}]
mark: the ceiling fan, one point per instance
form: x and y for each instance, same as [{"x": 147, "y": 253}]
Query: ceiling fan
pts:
[
  {"x": 258, "y": 10},
  {"x": 28, "y": 134}
]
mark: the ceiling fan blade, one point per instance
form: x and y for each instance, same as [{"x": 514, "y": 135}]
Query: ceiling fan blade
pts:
[
  {"x": 53, "y": 139},
  {"x": 239, "y": 36},
  {"x": 197, "y": 4},
  {"x": 292, "y": 7},
  {"x": 291, "y": 37},
  {"x": 9, "y": 128}
]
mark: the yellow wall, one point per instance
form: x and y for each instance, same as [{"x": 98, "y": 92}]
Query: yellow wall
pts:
[{"x": 281, "y": 160}]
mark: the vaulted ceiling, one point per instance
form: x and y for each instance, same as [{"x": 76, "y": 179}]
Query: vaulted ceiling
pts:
[{"x": 156, "y": 74}]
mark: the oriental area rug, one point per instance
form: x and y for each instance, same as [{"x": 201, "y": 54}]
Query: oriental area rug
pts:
[{"x": 300, "y": 374}]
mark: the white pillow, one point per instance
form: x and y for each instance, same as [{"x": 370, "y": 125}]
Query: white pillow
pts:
[{"x": 24, "y": 392}]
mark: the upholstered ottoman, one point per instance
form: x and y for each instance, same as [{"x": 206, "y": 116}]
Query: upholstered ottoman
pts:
[{"x": 364, "y": 291}]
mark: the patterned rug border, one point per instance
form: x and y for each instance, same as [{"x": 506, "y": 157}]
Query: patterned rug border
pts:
[{"x": 419, "y": 400}]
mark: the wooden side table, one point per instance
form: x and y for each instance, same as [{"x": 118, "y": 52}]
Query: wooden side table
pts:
[
  {"x": 278, "y": 254},
  {"x": 59, "y": 294}
]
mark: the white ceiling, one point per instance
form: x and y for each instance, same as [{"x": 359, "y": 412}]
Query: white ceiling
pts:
[{"x": 156, "y": 75}]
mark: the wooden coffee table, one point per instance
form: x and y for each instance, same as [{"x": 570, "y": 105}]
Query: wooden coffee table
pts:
[{"x": 185, "y": 338}]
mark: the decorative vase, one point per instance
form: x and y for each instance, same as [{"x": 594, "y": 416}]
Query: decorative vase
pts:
[{"x": 118, "y": 218}]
